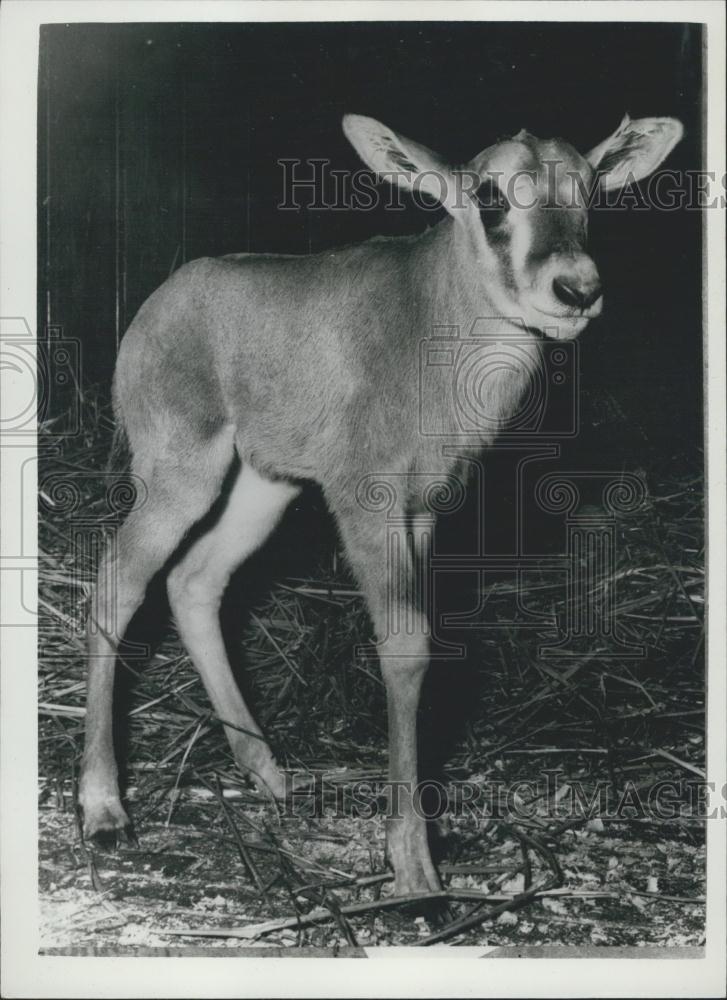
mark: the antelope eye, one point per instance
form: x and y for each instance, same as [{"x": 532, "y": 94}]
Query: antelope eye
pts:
[{"x": 492, "y": 203}]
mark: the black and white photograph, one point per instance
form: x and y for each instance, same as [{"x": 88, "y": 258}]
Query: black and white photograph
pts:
[{"x": 363, "y": 498}]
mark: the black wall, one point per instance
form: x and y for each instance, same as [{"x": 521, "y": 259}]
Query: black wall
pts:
[{"x": 159, "y": 143}]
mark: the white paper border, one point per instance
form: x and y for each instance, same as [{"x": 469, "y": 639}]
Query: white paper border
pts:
[{"x": 397, "y": 971}]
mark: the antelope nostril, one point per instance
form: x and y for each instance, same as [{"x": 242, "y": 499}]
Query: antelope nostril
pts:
[
  {"x": 572, "y": 295},
  {"x": 567, "y": 294},
  {"x": 592, "y": 297}
]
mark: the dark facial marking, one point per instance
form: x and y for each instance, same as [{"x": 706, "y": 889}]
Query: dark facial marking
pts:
[
  {"x": 556, "y": 230},
  {"x": 401, "y": 160},
  {"x": 493, "y": 205}
]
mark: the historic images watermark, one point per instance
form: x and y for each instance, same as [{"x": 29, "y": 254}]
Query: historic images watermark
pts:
[
  {"x": 480, "y": 370},
  {"x": 551, "y": 794},
  {"x": 40, "y": 380},
  {"x": 316, "y": 185},
  {"x": 38, "y": 372},
  {"x": 43, "y": 387},
  {"x": 589, "y": 624},
  {"x": 474, "y": 374}
]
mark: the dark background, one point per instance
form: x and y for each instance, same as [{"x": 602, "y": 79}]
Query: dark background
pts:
[{"x": 159, "y": 143}]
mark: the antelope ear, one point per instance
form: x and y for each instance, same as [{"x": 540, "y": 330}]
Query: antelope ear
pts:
[
  {"x": 634, "y": 150},
  {"x": 401, "y": 161}
]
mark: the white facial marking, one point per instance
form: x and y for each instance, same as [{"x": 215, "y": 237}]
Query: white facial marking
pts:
[{"x": 520, "y": 242}]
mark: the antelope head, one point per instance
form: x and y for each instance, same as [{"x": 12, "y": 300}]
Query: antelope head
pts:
[{"x": 520, "y": 209}]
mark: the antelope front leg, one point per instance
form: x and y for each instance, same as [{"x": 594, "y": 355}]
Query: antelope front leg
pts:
[
  {"x": 407, "y": 845},
  {"x": 380, "y": 551}
]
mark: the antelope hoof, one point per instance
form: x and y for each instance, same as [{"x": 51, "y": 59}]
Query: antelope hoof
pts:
[
  {"x": 268, "y": 779},
  {"x": 104, "y": 819}
]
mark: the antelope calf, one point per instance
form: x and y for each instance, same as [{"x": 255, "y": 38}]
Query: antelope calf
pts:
[{"x": 306, "y": 368}]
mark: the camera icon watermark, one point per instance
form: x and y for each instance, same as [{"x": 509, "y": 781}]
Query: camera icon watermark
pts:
[
  {"x": 45, "y": 378},
  {"x": 497, "y": 381},
  {"x": 44, "y": 375}
]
